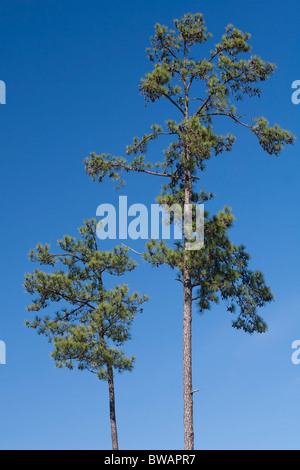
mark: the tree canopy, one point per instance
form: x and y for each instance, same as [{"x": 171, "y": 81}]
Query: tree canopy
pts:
[{"x": 92, "y": 322}]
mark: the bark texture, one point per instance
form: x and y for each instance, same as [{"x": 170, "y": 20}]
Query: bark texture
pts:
[
  {"x": 187, "y": 364},
  {"x": 112, "y": 409}
]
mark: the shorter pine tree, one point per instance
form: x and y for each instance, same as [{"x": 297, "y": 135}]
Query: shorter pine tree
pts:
[{"x": 92, "y": 323}]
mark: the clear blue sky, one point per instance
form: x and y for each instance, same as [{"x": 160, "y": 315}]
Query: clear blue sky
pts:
[{"x": 72, "y": 70}]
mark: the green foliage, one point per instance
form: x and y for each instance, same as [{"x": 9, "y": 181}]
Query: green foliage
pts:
[
  {"x": 222, "y": 79},
  {"x": 225, "y": 77},
  {"x": 92, "y": 322},
  {"x": 219, "y": 271}
]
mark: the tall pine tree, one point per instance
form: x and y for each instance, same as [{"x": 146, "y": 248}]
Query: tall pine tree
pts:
[
  {"x": 92, "y": 322},
  {"x": 219, "y": 80}
]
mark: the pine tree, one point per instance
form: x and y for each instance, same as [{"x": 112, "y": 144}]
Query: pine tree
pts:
[
  {"x": 92, "y": 322},
  {"x": 219, "y": 80}
]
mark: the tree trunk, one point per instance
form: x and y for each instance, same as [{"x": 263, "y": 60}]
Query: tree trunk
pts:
[
  {"x": 187, "y": 332},
  {"x": 112, "y": 409},
  {"x": 187, "y": 364}
]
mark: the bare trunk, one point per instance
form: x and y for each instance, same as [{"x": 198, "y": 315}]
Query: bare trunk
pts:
[
  {"x": 112, "y": 409},
  {"x": 187, "y": 364},
  {"x": 187, "y": 336}
]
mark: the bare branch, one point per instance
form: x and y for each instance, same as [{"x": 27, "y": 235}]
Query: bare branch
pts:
[{"x": 141, "y": 254}]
